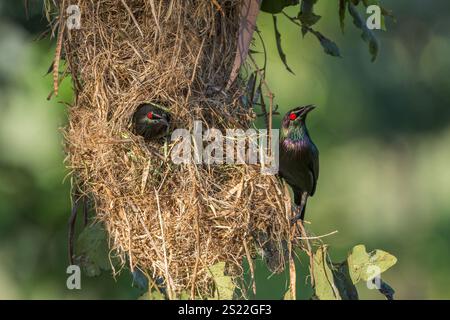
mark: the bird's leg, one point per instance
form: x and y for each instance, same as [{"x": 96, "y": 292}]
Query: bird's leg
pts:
[
  {"x": 304, "y": 200},
  {"x": 300, "y": 210},
  {"x": 295, "y": 210}
]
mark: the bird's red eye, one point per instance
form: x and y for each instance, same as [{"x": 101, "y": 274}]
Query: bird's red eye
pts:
[
  {"x": 292, "y": 116},
  {"x": 150, "y": 115}
]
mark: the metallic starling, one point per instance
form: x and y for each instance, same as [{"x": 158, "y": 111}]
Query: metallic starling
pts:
[
  {"x": 151, "y": 121},
  {"x": 299, "y": 158}
]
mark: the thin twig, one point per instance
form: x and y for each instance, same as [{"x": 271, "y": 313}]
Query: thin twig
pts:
[
  {"x": 292, "y": 271},
  {"x": 166, "y": 266},
  {"x": 59, "y": 43},
  {"x": 309, "y": 251},
  {"x": 197, "y": 259},
  {"x": 152, "y": 5},
  {"x": 270, "y": 95},
  {"x": 133, "y": 18},
  {"x": 219, "y": 8},
  {"x": 194, "y": 72},
  {"x": 250, "y": 263},
  {"x": 318, "y": 237}
]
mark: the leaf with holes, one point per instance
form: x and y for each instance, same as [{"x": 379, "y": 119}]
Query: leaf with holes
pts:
[{"x": 361, "y": 263}]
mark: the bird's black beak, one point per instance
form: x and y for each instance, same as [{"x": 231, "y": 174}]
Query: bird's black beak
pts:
[
  {"x": 307, "y": 109},
  {"x": 161, "y": 119},
  {"x": 164, "y": 121}
]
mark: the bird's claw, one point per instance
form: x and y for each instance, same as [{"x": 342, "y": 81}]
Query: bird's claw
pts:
[
  {"x": 295, "y": 219},
  {"x": 297, "y": 211}
]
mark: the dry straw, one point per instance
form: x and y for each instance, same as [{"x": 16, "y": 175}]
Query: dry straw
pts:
[{"x": 171, "y": 221}]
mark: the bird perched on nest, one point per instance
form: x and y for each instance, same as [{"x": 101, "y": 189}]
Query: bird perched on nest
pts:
[
  {"x": 151, "y": 121},
  {"x": 299, "y": 158}
]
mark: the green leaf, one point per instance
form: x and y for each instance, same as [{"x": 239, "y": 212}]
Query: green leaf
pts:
[
  {"x": 387, "y": 290},
  {"x": 184, "y": 296},
  {"x": 371, "y": 2},
  {"x": 279, "y": 47},
  {"x": 140, "y": 280},
  {"x": 92, "y": 250},
  {"x": 384, "y": 12},
  {"x": 342, "y": 11},
  {"x": 376, "y": 3},
  {"x": 325, "y": 288},
  {"x": 382, "y": 259},
  {"x": 343, "y": 281},
  {"x": 367, "y": 34},
  {"x": 276, "y": 6},
  {"x": 152, "y": 295},
  {"x": 328, "y": 46},
  {"x": 224, "y": 284},
  {"x": 358, "y": 259},
  {"x": 361, "y": 263},
  {"x": 307, "y": 16},
  {"x": 336, "y": 281}
]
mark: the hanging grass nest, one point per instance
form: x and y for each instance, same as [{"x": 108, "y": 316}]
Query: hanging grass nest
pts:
[{"x": 171, "y": 221}]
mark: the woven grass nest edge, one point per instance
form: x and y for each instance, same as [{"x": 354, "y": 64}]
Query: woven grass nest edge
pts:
[{"x": 171, "y": 221}]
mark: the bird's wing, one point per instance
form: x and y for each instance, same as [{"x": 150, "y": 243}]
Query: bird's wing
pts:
[{"x": 314, "y": 170}]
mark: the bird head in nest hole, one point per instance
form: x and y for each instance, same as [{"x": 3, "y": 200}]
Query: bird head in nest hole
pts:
[{"x": 151, "y": 121}]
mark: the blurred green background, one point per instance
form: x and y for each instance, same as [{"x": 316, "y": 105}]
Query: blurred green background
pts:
[{"x": 383, "y": 130}]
